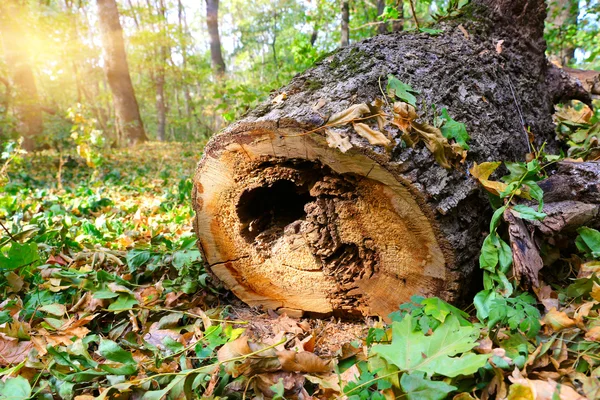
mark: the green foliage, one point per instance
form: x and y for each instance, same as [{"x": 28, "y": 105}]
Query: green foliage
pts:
[
  {"x": 417, "y": 387},
  {"x": 412, "y": 350}
]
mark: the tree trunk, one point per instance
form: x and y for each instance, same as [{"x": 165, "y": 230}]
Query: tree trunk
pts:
[
  {"x": 26, "y": 102},
  {"x": 163, "y": 50},
  {"x": 212, "y": 21},
  {"x": 117, "y": 73},
  {"x": 297, "y": 210},
  {"x": 345, "y": 33}
]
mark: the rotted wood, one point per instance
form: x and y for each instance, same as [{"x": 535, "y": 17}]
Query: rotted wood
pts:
[{"x": 290, "y": 223}]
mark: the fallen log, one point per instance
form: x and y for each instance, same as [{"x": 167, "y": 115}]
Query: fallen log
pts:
[{"x": 331, "y": 199}]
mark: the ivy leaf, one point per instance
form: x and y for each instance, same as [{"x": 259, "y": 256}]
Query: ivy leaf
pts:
[
  {"x": 400, "y": 90},
  {"x": 452, "y": 129},
  {"x": 414, "y": 351},
  {"x": 417, "y": 387}
]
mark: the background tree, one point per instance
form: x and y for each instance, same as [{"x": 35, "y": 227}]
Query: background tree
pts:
[
  {"x": 117, "y": 72},
  {"x": 212, "y": 22},
  {"x": 22, "y": 81}
]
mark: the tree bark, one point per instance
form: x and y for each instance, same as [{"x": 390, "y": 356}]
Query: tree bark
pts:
[
  {"x": 26, "y": 102},
  {"x": 117, "y": 73},
  {"x": 297, "y": 211},
  {"x": 212, "y": 22},
  {"x": 345, "y": 32}
]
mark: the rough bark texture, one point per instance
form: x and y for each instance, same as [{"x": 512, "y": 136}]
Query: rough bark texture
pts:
[
  {"x": 117, "y": 73},
  {"x": 212, "y": 22},
  {"x": 417, "y": 227},
  {"x": 26, "y": 102}
]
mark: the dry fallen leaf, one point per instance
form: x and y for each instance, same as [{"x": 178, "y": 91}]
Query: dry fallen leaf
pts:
[
  {"x": 482, "y": 172},
  {"x": 374, "y": 137},
  {"x": 557, "y": 320},
  {"x": 280, "y": 98},
  {"x": 593, "y": 335},
  {"x": 434, "y": 141},
  {"x": 334, "y": 139},
  {"x": 499, "y": 46},
  {"x": 13, "y": 351},
  {"x": 348, "y": 115},
  {"x": 302, "y": 362}
]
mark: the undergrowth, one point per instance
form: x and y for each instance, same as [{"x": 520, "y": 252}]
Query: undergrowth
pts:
[{"x": 103, "y": 295}]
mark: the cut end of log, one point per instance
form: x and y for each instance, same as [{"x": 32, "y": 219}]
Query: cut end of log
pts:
[{"x": 285, "y": 221}]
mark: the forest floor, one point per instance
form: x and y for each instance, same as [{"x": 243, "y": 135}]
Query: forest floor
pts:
[{"x": 103, "y": 295}]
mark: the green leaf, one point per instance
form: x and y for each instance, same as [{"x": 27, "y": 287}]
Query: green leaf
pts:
[
  {"x": 536, "y": 192},
  {"x": 117, "y": 369},
  {"x": 113, "y": 352},
  {"x": 591, "y": 238},
  {"x": 125, "y": 301},
  {"x": 525, "y": 212},
  {"x": 15, "y": 389},
  {"x": 517, "y": 170},
  {"x": 19, "y": 255},
  {"x": 402, "y": 91},
  {"x": 482, "y": 303},
  {"x": 159, "y": 394},
  {"x": 489, "y": 254},
  {"x": 505, "y": 256},
  {"x": 137, "y": 258},
  {"x": 496, "y": 218},
  {"x": 414, "y": 351},
  {"x": 417, "y": 387},
  {"x": 452, "y": 129},
  {"x": 278, "y": 389}
]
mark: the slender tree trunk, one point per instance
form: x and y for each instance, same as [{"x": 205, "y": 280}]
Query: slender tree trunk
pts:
[
  {"x": 212, "y": 22},
  {"x": 382, "y": 27},
  {"x": 183, "y": 44},
  {"x": 562, "y": 14},
  {"x": 163, "y": 50},
  {"x": 117, "y": 73},
  {"x": 345, "y": 34},
  {"x": 327, "y": 209},
  {"x": 26, "y": 102}
]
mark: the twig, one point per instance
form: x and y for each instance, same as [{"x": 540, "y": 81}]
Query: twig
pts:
[
  {"x": 8, "y": 233},
  {"x": 375, "y": 23},
  {"x": 414, "y": 14}
]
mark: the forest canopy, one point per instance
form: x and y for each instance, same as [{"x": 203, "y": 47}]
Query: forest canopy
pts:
[{"x": 55, "y": 48}]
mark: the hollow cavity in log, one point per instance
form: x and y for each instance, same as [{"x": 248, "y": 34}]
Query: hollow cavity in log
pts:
[{"x": 287, "y": 222}]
